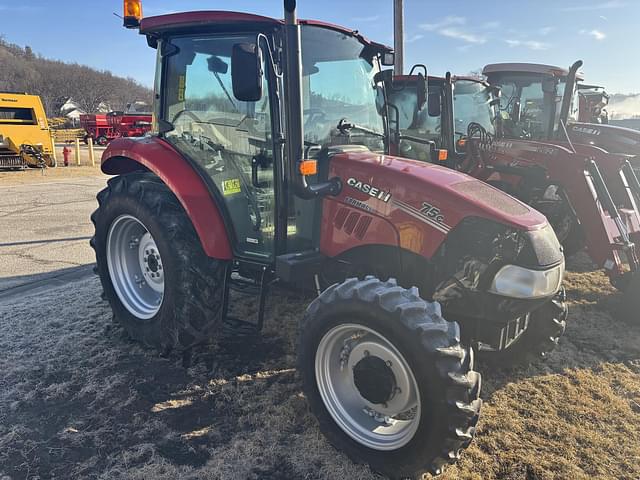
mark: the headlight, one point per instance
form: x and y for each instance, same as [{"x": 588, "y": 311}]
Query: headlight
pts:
[{"x": 517, "y": 282}]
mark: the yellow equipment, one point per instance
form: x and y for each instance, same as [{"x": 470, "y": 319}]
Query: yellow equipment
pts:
[{"x": 25, "y": 138}]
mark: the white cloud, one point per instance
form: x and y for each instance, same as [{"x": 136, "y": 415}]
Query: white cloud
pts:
[
  {"x": 544, "y": 31},
  {"x": 445, "y": 22},
  {"x": 413, "y": 38},
  {"x": 462, "y": 35},
  {"x": 448, "y": 27},
  {"x": 372, "y": 18},
  {"x": 530, "y": 44},
  {"x": 597, "y": 34},
  {"x": 595, "y": 6}
]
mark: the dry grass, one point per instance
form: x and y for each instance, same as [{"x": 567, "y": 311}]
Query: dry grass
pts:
[{"x": 78, "y": 400}]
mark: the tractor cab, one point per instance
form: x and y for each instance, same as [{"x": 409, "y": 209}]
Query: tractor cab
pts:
[
  {"x": 592, "y": 106},
  {"x": 540, "y": 101},
  {"x": 533, "y": 98},
  {"x": 438, "y": 133},
  {"x": 221, "y": 107}
]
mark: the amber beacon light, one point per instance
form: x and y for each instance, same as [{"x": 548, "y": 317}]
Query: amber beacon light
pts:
[{"x": 132, "y": 13}]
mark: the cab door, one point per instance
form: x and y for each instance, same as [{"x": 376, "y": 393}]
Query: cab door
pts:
[{"x": 229, "y": 141}]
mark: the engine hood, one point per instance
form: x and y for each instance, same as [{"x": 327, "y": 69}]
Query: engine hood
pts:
[
  {"x": 611, "y": 138},
  {"x": 439, "y": 195}
]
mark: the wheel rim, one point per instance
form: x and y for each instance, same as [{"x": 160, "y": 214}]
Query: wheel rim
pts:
[
  {"x": 375, "y": 410},
  {"x": 135, "y": 267}
]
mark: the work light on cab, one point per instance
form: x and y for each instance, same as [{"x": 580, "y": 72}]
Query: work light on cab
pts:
[{"x": 132, "y": 13}]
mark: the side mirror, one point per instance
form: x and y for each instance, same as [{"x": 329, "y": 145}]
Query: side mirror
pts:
[
  {"x": 388, "y": 59},
  {"x": 217, "y": 65},
  {"x": 422, "y": 87},
  {"x": 434, "y": 104},
  {"x": 383, "y": 76},
  {"x": 246, "y": 72}
]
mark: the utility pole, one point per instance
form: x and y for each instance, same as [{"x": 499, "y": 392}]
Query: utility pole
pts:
[{"x": 398, "y": 35}]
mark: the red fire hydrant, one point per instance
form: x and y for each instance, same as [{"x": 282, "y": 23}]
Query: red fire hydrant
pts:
[{"x": 66, "y": 152}]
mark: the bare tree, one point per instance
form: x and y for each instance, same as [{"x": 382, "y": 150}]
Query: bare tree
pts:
[{"x": 56, "y": 82}]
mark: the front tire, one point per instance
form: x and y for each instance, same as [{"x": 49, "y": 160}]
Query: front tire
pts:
[
  {"x": 162, "y": 287},
  {"x": 387, "y": 377}
]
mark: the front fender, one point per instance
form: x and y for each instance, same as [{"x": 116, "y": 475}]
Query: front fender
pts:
[{"x": 127, "y": 155}]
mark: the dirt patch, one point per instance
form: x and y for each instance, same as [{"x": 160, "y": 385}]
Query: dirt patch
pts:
[{"x": 79, "y": 400}]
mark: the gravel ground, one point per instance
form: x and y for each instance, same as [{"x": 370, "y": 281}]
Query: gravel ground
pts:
[
  {"x": 79, "y": 400},
  {"x": 44, "y": 222}
]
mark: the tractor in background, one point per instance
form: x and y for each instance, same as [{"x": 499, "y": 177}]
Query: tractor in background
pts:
[
  {"x": 25, "y": 138},
  {"x": 592, "y": 104},
  {"x": 525, "y": 102},
  {"x": 261, "y": 167},
  {"x": 499, "y": 132}
]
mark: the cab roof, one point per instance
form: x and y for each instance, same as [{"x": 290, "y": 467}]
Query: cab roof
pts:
[
  {"x": 535, "y": 68},
  {"x": 201, "y": 20}
]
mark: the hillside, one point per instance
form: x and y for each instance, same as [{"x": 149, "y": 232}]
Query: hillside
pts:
[{"x": 55, "y": 81}]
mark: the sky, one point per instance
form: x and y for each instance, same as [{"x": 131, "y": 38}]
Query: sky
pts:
[{"x": 458, "y": 36}]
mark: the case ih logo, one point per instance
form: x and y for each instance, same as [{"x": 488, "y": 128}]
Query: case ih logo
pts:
[
  {"x": 586, "y": 130},
  {"x": 375, "y": 192}
]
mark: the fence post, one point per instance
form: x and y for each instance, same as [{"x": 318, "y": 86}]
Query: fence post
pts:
[
  {"x": 78, "y": 151},
  {"x": 92, "y": 156},
  {"x": 53, "y": 153}
]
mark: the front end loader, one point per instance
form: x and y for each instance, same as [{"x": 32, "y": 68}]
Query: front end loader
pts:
[{"x": 261, "y": 167}]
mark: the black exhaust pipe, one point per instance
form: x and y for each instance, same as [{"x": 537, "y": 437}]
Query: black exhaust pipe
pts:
[
  {"x": 568, "y": 93},
  {"x": 294, "y": 111}
]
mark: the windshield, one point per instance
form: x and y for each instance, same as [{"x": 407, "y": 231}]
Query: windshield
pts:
[
  {"x": 23, "y": 116},
  {"x": 337, "y": 83},
  {"x": 525, "y": 108},
  {"x": 472, "y": 104},
  {"x": 413, "y": 122}
]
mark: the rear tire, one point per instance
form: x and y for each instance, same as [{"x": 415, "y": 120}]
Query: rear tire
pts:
[
  {"x": 546, "y": 325},
  {"x": 447, "y": 407},
  {"x": 182, "y": 305},
  {"x": 102, "y": 140}
]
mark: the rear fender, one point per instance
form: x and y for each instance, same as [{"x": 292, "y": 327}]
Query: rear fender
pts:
[{"x": 127, "y": 155}]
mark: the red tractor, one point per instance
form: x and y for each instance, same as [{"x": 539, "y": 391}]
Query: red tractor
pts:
[
  {"x": 591, "y": 197},
  {"x": 581, "y": 109},
  {"x": 267, "y": 161}
]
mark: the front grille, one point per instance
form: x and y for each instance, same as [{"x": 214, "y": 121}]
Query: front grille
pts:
[{"x": 353, "y": 223}]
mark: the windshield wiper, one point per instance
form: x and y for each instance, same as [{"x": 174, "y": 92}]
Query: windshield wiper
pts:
[{"x": 345, "y": 127}]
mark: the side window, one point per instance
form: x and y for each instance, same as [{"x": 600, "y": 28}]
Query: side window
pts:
[{"x": 231, "y": 140}]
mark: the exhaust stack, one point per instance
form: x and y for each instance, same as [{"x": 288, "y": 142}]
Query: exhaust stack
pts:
[
  {"x": 568, "y": 93},
  {"x": 294, "y": 111}
]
